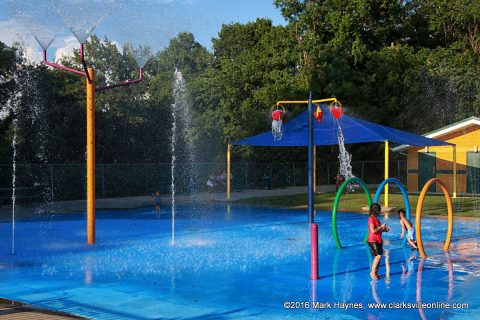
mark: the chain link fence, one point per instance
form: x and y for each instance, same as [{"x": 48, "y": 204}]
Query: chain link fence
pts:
[{"x": 55, "y": 182}]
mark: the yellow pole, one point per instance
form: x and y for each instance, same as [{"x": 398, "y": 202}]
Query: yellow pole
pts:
[
  {"x": 454, "y": 172},
  {"x": 91, "y": 157},
  {"x": 387, "y": 153},
  {"x": 228, "y": 173},
  {"x": 314, "y": 168}
]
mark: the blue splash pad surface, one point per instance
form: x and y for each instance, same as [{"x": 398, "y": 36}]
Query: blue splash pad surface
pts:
[{"x": 237, "y": 262}]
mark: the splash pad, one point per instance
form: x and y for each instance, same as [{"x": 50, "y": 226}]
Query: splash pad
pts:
[{"x": 244, "y": 264}]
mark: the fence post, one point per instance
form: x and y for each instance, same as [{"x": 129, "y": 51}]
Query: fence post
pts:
[
  {"x": 246, "y": 175},
  {"x": 328, "y": 172},
  {"x": 51, "y": 181},
  {"x": 271, "y": 175},
  {"x": 146, "y": 177},
  {"x": 103, "y": 180},
  {"x": 293, "y": 174},
  {"x": 363, "y": 170},
  {"x": 398, "y": 171}
]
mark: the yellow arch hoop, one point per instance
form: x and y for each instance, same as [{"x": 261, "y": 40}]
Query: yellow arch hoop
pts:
[{"x": 418, "y": 219}]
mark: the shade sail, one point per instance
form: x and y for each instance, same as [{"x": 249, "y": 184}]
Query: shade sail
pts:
[{"x": 295, "y": 133}]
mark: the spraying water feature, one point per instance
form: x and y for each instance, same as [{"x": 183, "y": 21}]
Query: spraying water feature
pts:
[
  {"x": 14, "y": 182},
  {"x": 345, "y": 166},
  {"x": 173, "y": 163},
  {"x": 345, "y": 158},
  {"x": 27, "y": 108},
  {"x": 37, "y": 18},
  {"x": 141, "y": 54},
  {"x": 93, "y": 12},
  {"x": 181, "y": 142}
]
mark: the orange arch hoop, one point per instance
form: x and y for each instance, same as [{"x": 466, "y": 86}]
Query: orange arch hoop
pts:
[{"x": 418, "y": 219}]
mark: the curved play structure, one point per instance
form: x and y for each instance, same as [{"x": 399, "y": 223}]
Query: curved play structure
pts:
[
  {"x": 404, "y": 195},
  {"x": 407, "y": 208},
  {"x": 337, "y": 200},
  {"x": 418, "y": 220}
]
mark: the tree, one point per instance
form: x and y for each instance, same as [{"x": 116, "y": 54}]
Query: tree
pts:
[{"x": 8, "y": 68}]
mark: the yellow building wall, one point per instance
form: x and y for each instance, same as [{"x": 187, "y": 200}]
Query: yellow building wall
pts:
[
  {"x": 465, "y": 139},
  {"x": 412, "y": 169}
]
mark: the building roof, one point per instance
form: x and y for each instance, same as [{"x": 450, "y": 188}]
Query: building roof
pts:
[
  {"x": 444, "y": 130},
  {"x": 295, "y": 133}
]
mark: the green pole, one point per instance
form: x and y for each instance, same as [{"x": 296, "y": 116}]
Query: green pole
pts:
[{"x": 337, "y": 201}]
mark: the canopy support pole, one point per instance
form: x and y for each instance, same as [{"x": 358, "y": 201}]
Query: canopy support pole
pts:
[
  {"x": 387, "y": 158},
  {"x": 310, "y": 160},
  {"x": 228, "y": 172},
  {"x": 314, "y": 169},
  {"x": 311, "y": 194},
  {"x": 454, "y": 195}
]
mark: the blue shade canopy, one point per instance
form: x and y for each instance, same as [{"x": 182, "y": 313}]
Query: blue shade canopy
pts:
[{"x": 295, "y": 133}]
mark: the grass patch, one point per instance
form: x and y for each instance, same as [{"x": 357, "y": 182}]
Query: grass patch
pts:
[{"x": 433, "y": 204}]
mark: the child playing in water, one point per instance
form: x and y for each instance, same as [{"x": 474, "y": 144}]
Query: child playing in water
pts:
[
  {"x": 407, "y": 225},
  {"x": 158, "y": 201},
  {"x": 375, "y": 230}
]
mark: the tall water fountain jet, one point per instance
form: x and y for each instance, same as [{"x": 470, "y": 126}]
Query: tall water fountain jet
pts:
[
  {"x": 27, "y": 107},
  {"x": 14, "y": 181},
  {"x": 12, "y": 107},
  {"x": 174, "y": 159},
  {"x": 181, "y": 137}
]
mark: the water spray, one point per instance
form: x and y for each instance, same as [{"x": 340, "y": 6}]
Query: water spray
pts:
[{"x": 82, "y": 33}]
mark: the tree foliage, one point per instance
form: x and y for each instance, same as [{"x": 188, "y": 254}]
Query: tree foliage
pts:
[{"x": 388, "y": 61}]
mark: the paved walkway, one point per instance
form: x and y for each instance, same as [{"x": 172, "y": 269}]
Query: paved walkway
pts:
[
  {"x": 12, "y": 310},
  {"x": 145, "y": 201}
]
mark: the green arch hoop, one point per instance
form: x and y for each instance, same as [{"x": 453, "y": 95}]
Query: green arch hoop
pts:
[{"x": 337, "y": 200}]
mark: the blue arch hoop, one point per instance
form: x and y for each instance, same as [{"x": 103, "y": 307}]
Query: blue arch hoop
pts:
[{"x": 404, "y": 194}]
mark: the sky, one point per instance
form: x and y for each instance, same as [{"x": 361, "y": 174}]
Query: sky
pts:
[{"x": 140, "y": 22}]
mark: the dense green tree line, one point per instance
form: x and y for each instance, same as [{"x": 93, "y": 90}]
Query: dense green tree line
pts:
[{"x": 388, "y": 61}]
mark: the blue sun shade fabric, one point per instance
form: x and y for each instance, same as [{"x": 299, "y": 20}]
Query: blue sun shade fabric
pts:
[{"x": 295, "y": 133}]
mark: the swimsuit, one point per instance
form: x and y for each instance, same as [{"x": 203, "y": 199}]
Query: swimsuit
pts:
[
  {"x": 376, "y": 248},
  {"x": 375, "y": 239},
  {"x": 411, "y": 234}
]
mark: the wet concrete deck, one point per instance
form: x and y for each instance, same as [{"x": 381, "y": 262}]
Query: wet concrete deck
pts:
[{"x": 12, "y": 310}]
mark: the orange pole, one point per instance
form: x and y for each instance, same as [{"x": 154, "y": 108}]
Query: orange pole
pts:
[
  {"x": 418, "y": 217},
  {"x": 91, "y": 157},
  {"x": 228, "y": 172}
]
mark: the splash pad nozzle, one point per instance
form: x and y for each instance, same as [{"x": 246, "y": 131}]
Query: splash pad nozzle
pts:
[
  {"x": 85, "y": 70},
  {"x": 59, "y": 66}
]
